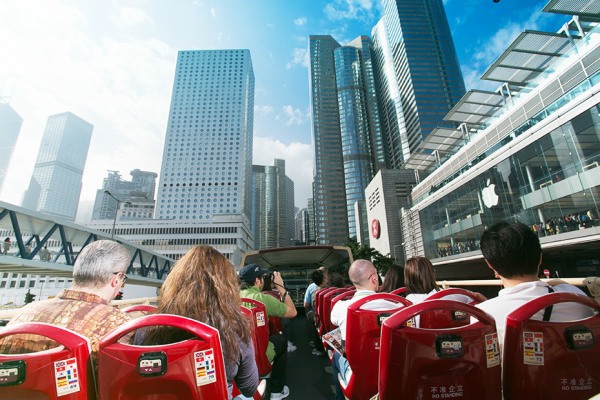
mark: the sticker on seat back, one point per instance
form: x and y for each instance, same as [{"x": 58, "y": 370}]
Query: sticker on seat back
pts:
[
  {"x": 492, "y": 350},
  {"x": 533, "y": 348},
  {"x": 205, "y": 367},
  {"x": 66, "y": 376},
  {"x": 260, "y": 318}
]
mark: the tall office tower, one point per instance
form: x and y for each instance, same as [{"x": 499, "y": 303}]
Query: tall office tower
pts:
[
  {"x": 273, "y": 221},
  {"x": 136, "y": 196},
  {"x": 207, "y": 157},
  {"x": 311, "y": 236},
  {"x": 10, "y": 126},
  {"x": 426, "y": 66},
  {"x": 302, "y": 226},
  {"x": 345, "y": 74},
  {"x": 55, "y": 185},
  {"x": 391, "y": 115}
]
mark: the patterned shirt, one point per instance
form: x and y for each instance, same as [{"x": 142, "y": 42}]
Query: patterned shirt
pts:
[{"x": 82, "y": 312}]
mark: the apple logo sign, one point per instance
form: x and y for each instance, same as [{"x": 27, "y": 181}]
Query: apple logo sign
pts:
[{"x": 490, "y": 198}]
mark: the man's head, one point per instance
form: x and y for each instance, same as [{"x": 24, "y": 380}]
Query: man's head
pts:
[
  {"x": 101, "y": 266},
  {"x": 318, "y": 277},
  {"x": 512, "y": 250},
  {"x": 363, "y": 275},
  {"x": 253, "y": 275}
]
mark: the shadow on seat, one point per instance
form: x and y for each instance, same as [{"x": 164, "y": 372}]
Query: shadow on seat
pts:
[
  {"x": 551, "y": 360},
  {"x": 190, "y": 369},
  {"x": 64, "y": 372},
  {"x": 453, "y": 362}
]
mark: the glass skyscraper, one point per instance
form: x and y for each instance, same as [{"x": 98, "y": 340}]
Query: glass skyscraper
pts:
[
  {"x": 207, "y": 157},
  {"x": 425, "y": 62},
  {"x": 10, "y": 127},
  {"x": 55, "y": 185}
]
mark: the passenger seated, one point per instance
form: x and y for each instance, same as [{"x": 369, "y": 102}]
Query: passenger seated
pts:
[
  {"x": 203, "y": 286},
  {"x": 420, "y": 282},
  {"x": 319, "y": 280},
  {"x": 514, "y": 253},
  {"x": 393, "y": 279},
  {"x": 98, "y": 275},
  {"x": 365, "y": 278}
]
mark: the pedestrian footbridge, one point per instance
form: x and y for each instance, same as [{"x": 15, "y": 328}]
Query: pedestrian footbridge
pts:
[{"x": 46, "y": 245}]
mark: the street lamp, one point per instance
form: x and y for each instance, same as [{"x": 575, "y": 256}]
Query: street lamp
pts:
[{"x": 112, "y": 232}]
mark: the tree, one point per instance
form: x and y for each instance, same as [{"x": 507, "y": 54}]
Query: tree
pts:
[
  {"x": 364, "y": 252},
  {"x": 29, "y": 297}
]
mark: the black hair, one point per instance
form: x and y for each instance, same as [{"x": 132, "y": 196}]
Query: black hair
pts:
[
  {"x": 317, "y": 277},
  {"x": 511, "y": 249}
]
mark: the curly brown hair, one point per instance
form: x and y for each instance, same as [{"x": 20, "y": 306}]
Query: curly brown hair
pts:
[{"x": 203, "y": 286}]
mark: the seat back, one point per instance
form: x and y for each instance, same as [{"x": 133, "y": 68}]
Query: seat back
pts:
[
  {"x": 363, "y": 328},
  {"x": 447, "y": 318},
  {"x": 327, "y": 299},
  {"x": 64, "y": 372},
  {"x": 260, "y": 333},
  {"x": 144, "y": 308},
  {"x": 318, "y": 307},
  {"x": 400, "y": 291},
  {"x": 190, "y": 369},
  {"x": 275, "y": 325},
  {"x": 552, "y": 360},
  {"x": 454, "y": 362}
]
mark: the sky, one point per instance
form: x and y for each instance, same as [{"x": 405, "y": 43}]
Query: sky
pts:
[{"x": 112, "y": 63}]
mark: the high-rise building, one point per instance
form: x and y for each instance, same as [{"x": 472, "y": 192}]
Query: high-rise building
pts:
[
  {"x": 273, "y": 221},
  {"x": 136, "y": 196},
  {"x": 55, "y": 185},
  {"x": 346, "y": 132},
  {"x": 425, "y": 62},
  {"x": 207, "y": 157},
  {"x": 10, "y": 126}
]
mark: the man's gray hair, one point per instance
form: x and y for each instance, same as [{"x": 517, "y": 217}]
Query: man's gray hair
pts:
[{"x": 98, "y": 262}]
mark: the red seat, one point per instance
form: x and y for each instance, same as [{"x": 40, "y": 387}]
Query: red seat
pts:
[
  {"x": 63, "y": 372},
  {"x": 190, "y": 369},
  {"x": 348, "y": 294},
  {"x": 362, "y": 345},
  {"x": 400, "y": 291},
  {"x": 551, "y": 360},
  {"x": 327, "y": 298},
  {"x": 318, "y": 306},
  {"x": 447, "y": 318},
  {"x": 260, "y": 333},
  {"x": 457, "y": 362},
  {"x": 145, "y": 308},
  {"x": 275, "y": 325}
]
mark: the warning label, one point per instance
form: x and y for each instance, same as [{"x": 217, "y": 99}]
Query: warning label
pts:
[
  {"x": 533, "y": 348},
  {"x": 205, "y": 367},
  {"x": 67, "y": 377},
  {"x": 492, "y": 350}
]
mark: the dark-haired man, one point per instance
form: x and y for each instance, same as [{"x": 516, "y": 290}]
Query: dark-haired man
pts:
[
  {"x": 318, "y": 278},
  {"x": 514, "y": 253},
  {"x": 252, "y": 279}
]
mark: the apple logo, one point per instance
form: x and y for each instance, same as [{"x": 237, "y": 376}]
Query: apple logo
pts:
[{"x": 490, "y": 198}]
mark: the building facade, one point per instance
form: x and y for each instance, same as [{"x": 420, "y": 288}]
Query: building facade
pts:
[
  {"x": 10, "y": 127},
  {"x": 273, "y": 221},
  {"x": 55, "y": 185},
  {"x": 136, "y": 196},
  {"x": 426, "y": 67}
]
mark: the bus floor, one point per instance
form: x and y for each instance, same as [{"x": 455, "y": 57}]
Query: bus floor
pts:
[{"x": 308, "y": 376}]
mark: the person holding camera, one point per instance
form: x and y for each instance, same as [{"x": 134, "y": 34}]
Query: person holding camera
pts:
[{"x": 252, "y": 279}]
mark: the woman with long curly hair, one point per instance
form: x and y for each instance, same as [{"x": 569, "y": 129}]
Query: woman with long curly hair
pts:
[{"x": 203, "y": 286}]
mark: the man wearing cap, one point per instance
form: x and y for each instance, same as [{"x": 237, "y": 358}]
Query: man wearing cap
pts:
[{"x": 252, "y": 279}]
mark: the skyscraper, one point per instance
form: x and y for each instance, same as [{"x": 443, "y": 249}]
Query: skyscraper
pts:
[
  {"x": 273, "y": 220},
  {"x": 425, "y": 62},
  {"x": 55, "y": 185},
  {"x": 10, "y": 127},
  {"x": 207, "y": 157}
]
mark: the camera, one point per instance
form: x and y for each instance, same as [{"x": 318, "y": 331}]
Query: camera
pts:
[{"x": 268, "y": 279}]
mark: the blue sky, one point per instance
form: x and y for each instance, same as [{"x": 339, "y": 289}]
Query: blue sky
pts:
[{"x": 112, "y": 63}]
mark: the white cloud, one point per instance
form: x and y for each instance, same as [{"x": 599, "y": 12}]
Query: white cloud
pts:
[
  {"x": 349, "y": 9},
  {"x": 298, "y": 162},
  {"x": 263, "y": 110},
  {"x": 300, "y": 21},
  {"x": 293, "y": 115},
  {"x": 299, "y": 57},
  {"x": 213, "y": 12},
  {"x": 130, "y": 16}
]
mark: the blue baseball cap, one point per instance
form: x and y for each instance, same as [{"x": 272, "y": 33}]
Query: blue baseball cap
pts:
[{"x": 252, "y": 271}]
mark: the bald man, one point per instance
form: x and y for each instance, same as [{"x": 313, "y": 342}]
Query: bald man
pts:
[{"x": 363, "y": 275}]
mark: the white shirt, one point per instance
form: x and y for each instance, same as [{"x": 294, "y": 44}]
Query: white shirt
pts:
[
  {"x": 511, "y": 298},
  {"x": 339, "y": 313}
]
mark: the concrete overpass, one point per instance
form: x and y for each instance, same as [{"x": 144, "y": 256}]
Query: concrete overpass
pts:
[{"x": 31, "y": 231}]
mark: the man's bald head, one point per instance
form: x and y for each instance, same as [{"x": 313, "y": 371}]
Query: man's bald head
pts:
[{"x": 361, "y": 274}]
